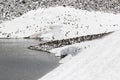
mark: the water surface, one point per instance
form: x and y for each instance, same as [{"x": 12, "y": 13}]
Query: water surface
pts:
[{"x": 19, "y": 63}]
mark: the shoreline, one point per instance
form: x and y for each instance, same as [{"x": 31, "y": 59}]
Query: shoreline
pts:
[{"x": 61, "y": 43}]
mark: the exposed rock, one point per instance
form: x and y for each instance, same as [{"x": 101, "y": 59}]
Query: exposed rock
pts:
[{"x": 60, "y": 43}]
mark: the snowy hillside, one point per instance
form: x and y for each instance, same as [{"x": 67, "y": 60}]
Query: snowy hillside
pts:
[
  {"x": 101, "y": 61},
  {"x": 70, "y": 22}
]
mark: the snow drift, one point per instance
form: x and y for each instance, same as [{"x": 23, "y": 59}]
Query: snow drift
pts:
[
  {"x": 101, "y": 61},
  {"x": 72, "y": 23}
]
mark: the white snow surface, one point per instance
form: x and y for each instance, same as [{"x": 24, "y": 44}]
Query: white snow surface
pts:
[
  {"x": 71, "y": 50},
  {"x": 82, "y": 45},
  {"x": 101, "y": 61},
  {"x": 72, "y": 23}
]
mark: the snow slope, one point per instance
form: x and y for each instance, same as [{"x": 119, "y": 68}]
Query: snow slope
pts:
[
  {"x": 98, "y": 62},
  {"x": 72, "y": 22}
]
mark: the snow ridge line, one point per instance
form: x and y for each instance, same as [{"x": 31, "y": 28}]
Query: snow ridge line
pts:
[{"x": 61, "y": 43}]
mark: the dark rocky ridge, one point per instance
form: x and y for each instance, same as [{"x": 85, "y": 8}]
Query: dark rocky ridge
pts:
[
  {"x": 61, "y": 43},
  {"x": 9, "y": 9}
]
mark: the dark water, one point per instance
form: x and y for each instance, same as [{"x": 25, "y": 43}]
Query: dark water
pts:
[{"x": 19, "y": 63}]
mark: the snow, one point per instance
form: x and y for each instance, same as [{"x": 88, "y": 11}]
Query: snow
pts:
[
  {"x": 73, "y": 23},
  {"x": 95, "y": 60},
  {"x": 101, "y": 61},
  {"x": 71, "y": 50},
  {"x": 57, "y": 51}
]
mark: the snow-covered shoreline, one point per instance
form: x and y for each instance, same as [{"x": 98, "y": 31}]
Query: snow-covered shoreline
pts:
[
  {"x": 52, "y": 45},
  {"x": 100, "y": 61}
]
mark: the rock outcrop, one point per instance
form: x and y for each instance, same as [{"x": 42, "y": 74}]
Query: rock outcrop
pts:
[{"x": 60, "y": 43}]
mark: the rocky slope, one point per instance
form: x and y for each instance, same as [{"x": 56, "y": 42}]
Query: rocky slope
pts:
[
  {"x": 70, "y": 22},
  {"x": 10, "y": 9}
]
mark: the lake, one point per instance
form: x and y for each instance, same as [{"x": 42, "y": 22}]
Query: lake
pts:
[{"x": 19, "y": 63}]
